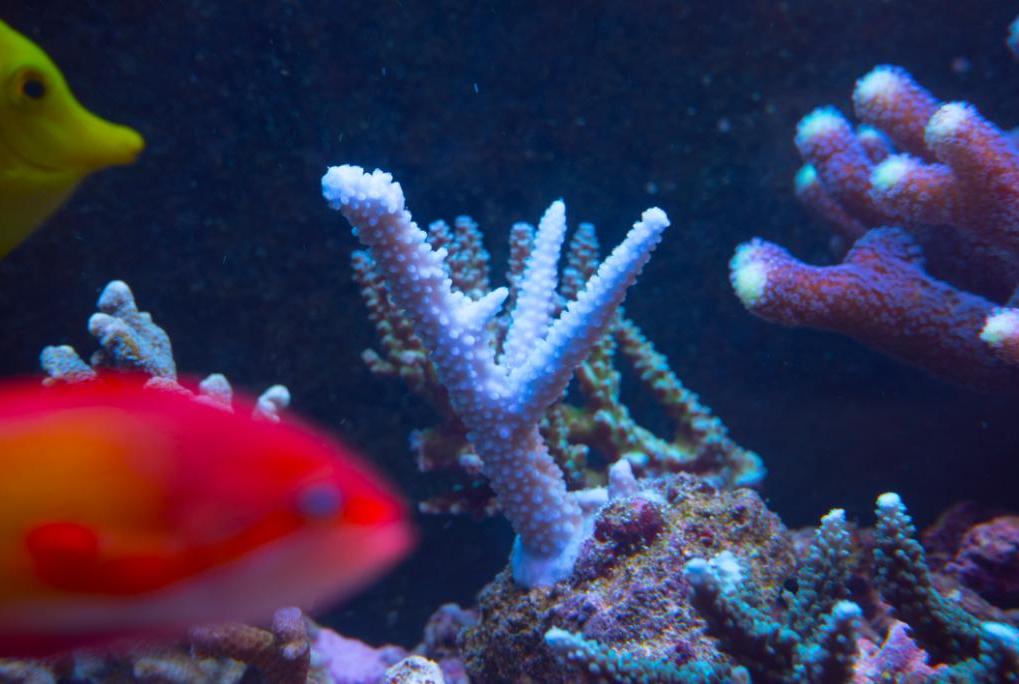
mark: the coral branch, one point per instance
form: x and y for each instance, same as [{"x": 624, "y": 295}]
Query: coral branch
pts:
[
  {"x": 1001, "y": 332},
  {"x": 881, "y": 296},
  {"x": 600, "y": 423},
  {"x": 817, "y": 640},
  {"x": 499, "y": 403},
  {"x": 588, "y": 657},
  {"x": 129, "y": 340},
  {"x": 945, "y": 630},
  {"x": 923, "y": 291},
  {"x": 536, "y": 301}
]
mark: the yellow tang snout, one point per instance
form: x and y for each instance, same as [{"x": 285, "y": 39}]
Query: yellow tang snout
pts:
[
  {"x": 48, "y": 140},
  {"x": 41, "y": 122},
  {"x": 44, "y": 126}
]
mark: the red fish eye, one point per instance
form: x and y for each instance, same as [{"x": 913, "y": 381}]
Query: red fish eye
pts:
[{"x": 319, "y": 501}]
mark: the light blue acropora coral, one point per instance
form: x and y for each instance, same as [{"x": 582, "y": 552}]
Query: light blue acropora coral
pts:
[{"x": 501, "y": 400}]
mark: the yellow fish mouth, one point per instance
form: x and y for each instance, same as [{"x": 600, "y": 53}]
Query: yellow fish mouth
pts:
[
  {"x": 102, "y": 143},
  {"x": 11, "y": 151},
  {"x": 97, "y": 144},
  {"x": 45, "y": 126}
]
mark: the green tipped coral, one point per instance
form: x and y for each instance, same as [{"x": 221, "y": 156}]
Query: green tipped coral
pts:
[
  {"x": 946, "y": 631},
  {"x": 816, "y": 642},
  {"x": 600, "y": 663}
]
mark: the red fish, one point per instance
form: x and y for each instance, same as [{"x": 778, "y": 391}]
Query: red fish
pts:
[{"x": 141, "y": 512}]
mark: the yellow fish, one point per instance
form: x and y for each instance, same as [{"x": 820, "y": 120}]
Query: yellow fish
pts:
[{"x": 48, "y": 141}]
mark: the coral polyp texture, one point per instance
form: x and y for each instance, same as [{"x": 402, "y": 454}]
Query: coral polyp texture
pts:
[
  {"x": 927, "y": 194},
  {"x": 625, "y": 614},
  {"x": 600, "y": 422},
  {"x": 500, "y": 376},
  {"x": 130, "y": 341},
  {"x": 742, "y": 607},
  {"x": 497, "y": 380}
]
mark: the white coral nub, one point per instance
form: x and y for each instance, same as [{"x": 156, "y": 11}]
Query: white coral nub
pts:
[
  {"x": 748, "y": 274},
  {"x": 882, "y": 87},
  {"x": 500, "y": 400},
  {"x": 1000, "y": 327}
]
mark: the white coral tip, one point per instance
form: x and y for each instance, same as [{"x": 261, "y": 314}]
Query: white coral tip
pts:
[
  {"x": 1001, "y": 326},
  {"x": 889, "y": 501},
  {"x": 749, "y": 275},
  {"x": 881, "y": 85}
]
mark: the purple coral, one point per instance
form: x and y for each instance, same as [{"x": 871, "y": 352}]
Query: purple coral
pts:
[
  {"x": 988, "y": 560},
  {"x": 929, "y": 290}
]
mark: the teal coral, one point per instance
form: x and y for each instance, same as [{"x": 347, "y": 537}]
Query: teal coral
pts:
[
  {"x": 946, "y": 631},
  {"x": 998, "y": 661},
  {"x": 978, "y": 652},
  {"x": 605, "y": 664},
  {"x": 817, "y": 640},
  {"x": 823, "y": 579}
]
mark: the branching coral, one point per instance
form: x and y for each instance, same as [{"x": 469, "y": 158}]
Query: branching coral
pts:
[
  {"x": 130, "y": 341},
  {"x": 928, "y": 291},
  {"x": 817, "y": 640},
  {"x": 603, "y": 664},
  {"x": 944, "y": 629},
  {"x": 974, "y": 651},
  {"x": 567, "y": 431},
  {"x": 820, "y": 637},
  {"x": 500, "y": 394}
]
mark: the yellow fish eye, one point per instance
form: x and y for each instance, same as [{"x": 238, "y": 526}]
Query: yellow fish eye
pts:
[
  {"x": 34, "y": 88},
  {"x": 28, "y": 85}
]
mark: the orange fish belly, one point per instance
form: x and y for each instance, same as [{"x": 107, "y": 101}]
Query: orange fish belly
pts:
[{"x": 137, "y": 512}]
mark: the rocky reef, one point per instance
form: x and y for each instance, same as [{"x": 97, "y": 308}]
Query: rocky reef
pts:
[{"x": 628, "y": 592}]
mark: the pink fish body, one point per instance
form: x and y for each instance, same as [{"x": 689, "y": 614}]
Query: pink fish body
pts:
[{"x": 135, "y": 512}]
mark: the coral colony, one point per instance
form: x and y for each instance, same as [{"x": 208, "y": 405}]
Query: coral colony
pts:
[
  {"x": 641, "y": 557},
  {"x": 599, "y": 423},
  {"x": 500, "y": 395},
  {"x": 619, "y": 611},
  {"x": 934, "y": 228},
  {"x": 664, "y": 568}
]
